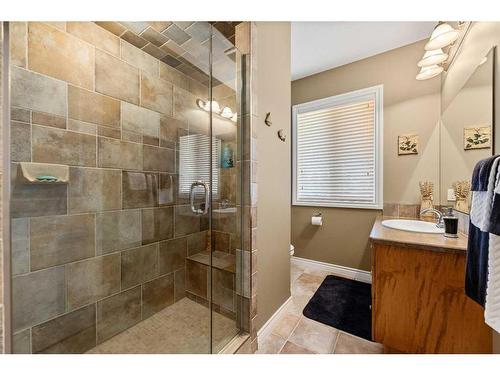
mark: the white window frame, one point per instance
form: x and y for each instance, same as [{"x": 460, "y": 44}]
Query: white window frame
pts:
[{"x": 376, "y": 92}]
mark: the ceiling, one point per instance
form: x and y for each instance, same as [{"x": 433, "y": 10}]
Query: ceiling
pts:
[{"x": 319, "y": 46}]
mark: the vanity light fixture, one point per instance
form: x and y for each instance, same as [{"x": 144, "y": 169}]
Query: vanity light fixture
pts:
[
  {"x": 205, "y": 105},
  {"x": 433, "y": 57},
  {"x": 229, "y": 114},
  {"x": 428, "y": 72},
  {"x": 225, "y": 112},
  {"x": 442, "y": 36}
]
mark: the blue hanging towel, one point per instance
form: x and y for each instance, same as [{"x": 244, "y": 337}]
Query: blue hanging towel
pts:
[
  {"x": 481, "y": 174},
  {"x": 476, "y": 273}
]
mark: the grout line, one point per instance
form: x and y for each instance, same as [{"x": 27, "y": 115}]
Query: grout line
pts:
[
  {"x": 282, "y": 346},
  {"x": 335, "y": 342},
  {"x": 300, "y": 346},
  {"x": 95, "y": 234},
  {"x": 294, "y": 328}
]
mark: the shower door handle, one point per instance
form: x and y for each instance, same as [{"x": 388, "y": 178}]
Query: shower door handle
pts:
[{"x": 204, "y": 210}]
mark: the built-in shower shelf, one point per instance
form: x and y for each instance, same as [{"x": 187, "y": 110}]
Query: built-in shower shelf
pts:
[
  {"x": 42, "y": 173},
  {"x": 220, "y": 260}
]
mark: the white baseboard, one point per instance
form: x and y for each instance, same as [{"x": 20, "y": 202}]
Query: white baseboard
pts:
[
  {"x": 347, "y": 272},
  {"x": 265, "y": 329}
]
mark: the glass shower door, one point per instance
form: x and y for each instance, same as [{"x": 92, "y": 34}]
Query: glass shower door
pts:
[
  {"x": 110, "y": 247},
  {"x": 226, "y": 269},
  {"x": 125, "y": 203}
]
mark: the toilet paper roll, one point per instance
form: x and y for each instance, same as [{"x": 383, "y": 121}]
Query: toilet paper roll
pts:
[{"x": 317, "y": 220}]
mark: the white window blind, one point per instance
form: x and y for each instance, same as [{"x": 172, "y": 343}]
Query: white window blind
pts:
[
  {"x": 338, "y": 151},
  {"x": 194, "y": 162}
]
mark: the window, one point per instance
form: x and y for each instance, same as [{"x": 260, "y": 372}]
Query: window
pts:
[
  {"x": 194, "y": 163},
  {"x": 337, "y": 150}
]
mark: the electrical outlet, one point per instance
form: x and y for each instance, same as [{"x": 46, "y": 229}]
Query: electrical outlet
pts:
[{"x": 451, "y": 195}]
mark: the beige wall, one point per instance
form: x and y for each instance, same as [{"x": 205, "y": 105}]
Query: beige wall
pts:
[
  {"x": 274, "y": 159},
  {"x": 481, "y": 37},
  {"x": 410, "y": 106},
  {"x": 342, "y": 240}
]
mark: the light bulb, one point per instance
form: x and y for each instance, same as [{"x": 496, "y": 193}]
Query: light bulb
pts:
[
  {"x": 215, "y": 107},
  {"x": 200, "y": 103},
  {"x": 442, "y": 36},
  {"x": 206, "y": 105},
  {"x": 227, "y": 112},
  {"x": 434, "y": 57},
  {"x": 428, "y": 72}
]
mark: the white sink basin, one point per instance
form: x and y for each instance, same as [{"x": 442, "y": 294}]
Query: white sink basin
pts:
[{"x": 412, "y": 226}]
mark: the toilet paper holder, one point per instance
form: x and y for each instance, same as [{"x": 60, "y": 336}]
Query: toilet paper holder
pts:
[{"x": 317, "y": 219}]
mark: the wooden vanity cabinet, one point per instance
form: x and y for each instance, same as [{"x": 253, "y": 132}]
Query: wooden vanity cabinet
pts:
[{"x": 419, "y": 304}]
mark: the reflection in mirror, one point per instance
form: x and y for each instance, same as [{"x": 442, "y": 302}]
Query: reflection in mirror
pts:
[
  {"x": 194, "y": 163},
  {"x": 466, "y": 134}
]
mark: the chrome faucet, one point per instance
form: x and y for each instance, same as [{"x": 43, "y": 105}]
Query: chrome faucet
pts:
[{"x": 439, "y": 214}]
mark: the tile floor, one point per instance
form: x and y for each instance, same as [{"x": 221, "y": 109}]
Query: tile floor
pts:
[
  {"x": 293, "y": 333},
  {"x": 180, "y": 328}
]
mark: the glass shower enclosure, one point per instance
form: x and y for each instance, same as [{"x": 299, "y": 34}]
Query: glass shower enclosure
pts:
[{"x": 125, "y": 212}]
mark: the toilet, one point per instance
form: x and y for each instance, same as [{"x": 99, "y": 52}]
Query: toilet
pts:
[{"x": 292, "y": 250}]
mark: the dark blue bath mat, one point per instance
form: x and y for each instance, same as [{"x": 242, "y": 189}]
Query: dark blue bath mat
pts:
[{"x": 343, "y": 304}]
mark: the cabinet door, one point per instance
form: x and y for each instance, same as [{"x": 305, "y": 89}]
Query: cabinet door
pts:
[{"x": 420, "y": 304}]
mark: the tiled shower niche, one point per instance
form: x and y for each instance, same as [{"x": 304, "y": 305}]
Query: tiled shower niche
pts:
[{"x": 116, "y": 252}]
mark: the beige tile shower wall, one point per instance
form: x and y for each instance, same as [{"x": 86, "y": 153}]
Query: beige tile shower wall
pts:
[
  {"x": 95, "y": 256},
  {"x": 410, "y": 106},
  {"x": 246, "y": 42}
]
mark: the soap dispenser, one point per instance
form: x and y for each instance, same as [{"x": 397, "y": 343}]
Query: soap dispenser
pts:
[{"x": 450, "y": 224}]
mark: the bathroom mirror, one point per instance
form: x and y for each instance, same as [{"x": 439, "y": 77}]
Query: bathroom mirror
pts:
[{"x": 467, "y": 128}]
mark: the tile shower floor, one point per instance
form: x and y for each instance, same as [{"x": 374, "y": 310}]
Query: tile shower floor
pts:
[
  {"x": 293, "y": 333},
  {"x": 179, "y": 328}
]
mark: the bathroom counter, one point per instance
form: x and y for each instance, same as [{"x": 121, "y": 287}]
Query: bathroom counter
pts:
[{"x": 421, "y": 241}]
